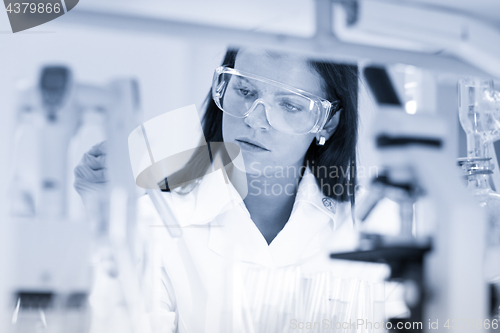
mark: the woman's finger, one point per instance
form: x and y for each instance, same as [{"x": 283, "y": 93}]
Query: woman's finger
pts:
[
  {"x": 98, "y": 149},
  {"x": 83, "y": 173},
  {"x": 94, "y": 162}
]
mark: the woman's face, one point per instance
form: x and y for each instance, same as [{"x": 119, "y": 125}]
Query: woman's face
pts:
[{"x": 266, "y": 150}]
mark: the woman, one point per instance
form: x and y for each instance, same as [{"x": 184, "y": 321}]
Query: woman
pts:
[{"x": 295, "y": 121}]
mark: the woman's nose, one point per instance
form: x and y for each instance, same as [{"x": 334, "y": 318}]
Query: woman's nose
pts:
[{"x": 257, "y": 117}]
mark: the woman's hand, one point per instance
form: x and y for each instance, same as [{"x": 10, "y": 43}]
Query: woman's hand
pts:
[{"x": 91, "y": 173}]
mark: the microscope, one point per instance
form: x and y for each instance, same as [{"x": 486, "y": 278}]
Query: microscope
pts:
[{"x": 440, "y": 262}]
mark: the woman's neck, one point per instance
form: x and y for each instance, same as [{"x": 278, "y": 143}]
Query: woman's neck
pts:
[{"x": 270, "y": 201}]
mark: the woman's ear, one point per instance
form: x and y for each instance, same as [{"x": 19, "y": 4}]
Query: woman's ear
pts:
[{"x": 330, "y": 127}]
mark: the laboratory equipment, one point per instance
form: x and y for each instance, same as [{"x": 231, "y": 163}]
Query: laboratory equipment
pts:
[
  {"x": 411, "y": 147},
  {"x": 479, "y": 113},
  {"x": 478, "y": 171},
  {"x": 50, "y": 278}
]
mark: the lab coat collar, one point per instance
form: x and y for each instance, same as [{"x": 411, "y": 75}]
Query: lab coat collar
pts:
[
  {"x": 234, "y": 234},
  {"x": 210, "y": 198},
  {"x": 310, "y": 192}
]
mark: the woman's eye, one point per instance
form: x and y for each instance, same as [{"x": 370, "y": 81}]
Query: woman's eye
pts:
[
  {"x": 245, "y": 92},
  {"x": 290, "y": 107}
]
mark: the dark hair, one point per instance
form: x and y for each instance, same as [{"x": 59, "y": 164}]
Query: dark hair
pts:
[{"x": 340, "y": 84}]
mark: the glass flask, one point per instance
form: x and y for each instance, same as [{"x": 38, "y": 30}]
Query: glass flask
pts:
[{"x": 479, "y": 113}]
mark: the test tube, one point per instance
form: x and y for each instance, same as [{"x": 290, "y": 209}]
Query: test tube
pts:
[{"x": 378, "y": 305}]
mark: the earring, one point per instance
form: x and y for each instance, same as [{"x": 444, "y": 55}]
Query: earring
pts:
[{"x": 321, "y": 141}]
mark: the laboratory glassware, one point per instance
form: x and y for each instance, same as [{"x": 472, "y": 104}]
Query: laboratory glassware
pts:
[{"x": 479, "y": 113}]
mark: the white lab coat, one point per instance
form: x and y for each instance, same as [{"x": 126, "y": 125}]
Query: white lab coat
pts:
[
  {"x": 195, "y": 285},
  {"x": 219, "y": 232}
]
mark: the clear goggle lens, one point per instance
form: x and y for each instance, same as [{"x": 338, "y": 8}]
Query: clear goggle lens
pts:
[{"x": 288, "y": 109}]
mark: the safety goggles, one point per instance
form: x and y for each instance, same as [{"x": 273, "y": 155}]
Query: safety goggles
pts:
[{"x": 289, "y": 110}]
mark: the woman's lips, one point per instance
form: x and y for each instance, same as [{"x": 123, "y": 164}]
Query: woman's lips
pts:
[{"x": 250, "y": 145}]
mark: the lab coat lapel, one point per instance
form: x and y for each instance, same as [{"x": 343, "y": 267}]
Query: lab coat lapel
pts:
[
  {"x": 231, "y": 230},
  {"x": 205, "y": 202},
  {"x": 302, "y": 235},
  {"x": 233, "y": 234},
  {"x": 313, "y": 218}
]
